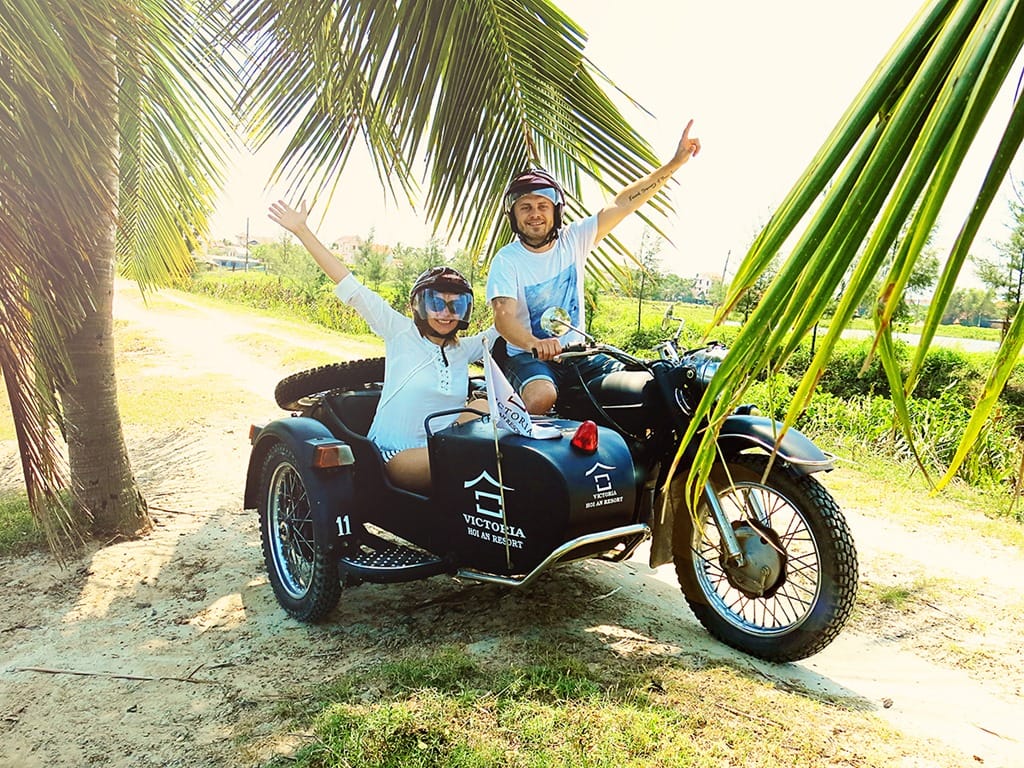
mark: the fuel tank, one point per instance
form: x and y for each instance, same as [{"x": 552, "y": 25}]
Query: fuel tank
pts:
[{"x": 546, "y": 492}]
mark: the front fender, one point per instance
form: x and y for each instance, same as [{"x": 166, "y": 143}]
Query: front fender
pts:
[
  {"x": 326, "y": 488},
  {"x": 740, "y": 432}
]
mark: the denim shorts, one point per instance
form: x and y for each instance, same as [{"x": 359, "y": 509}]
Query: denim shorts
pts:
[{"x": 523, "y": 368}]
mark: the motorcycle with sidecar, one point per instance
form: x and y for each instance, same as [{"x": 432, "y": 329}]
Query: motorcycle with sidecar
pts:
[{"x": 766, "y": 561}]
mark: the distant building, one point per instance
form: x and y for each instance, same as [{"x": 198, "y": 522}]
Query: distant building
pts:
[
  {"x": 347, "y": 245},
  {"x": 233, "y": 257},
  {"x": 236, "y": 264},
  {"x": 702, "y": 285}
]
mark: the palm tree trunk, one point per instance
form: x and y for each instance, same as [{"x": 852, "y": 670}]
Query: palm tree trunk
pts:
[
  {"x": 105, "y": 494},
  {"x": 107, "y": 501}
]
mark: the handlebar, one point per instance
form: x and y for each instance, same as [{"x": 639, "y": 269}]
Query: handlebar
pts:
[
  {"x": 577, "y": 349},
  {"x": 573, "y": 351}
]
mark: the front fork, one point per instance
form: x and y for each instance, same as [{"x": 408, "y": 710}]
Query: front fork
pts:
[{"x": 733, "y": 552}]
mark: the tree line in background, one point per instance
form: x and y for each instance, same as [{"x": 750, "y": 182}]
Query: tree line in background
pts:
[{"x": 387, "y": 268}]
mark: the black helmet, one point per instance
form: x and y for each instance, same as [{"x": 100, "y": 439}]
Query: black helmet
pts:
[
  {"x": 540, "y": 182},
  {"x": 425, "y": 295}
]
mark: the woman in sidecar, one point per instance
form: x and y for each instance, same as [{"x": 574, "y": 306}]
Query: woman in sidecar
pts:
[{"x": 427, "y": 363}]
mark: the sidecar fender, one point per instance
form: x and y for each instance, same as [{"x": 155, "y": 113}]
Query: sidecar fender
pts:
[
  {"x": 326, "y": 488},
  {"x": 740, "y": 432}
]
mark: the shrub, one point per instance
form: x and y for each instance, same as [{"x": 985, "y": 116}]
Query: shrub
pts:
[
  {"x": 946, "y": 370},
  {"x": 868, "y": 422}
]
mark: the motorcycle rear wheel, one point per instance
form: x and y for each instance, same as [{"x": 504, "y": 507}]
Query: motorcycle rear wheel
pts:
[
  {"x": 812, "y": 592},
  {"x": 303, "y": 576}
]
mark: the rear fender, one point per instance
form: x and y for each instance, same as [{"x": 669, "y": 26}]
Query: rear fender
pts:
[{"x": 329, "y": 490}]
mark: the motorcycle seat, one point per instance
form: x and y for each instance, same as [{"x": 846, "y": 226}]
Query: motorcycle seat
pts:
[{"x": 621, "y": 387}]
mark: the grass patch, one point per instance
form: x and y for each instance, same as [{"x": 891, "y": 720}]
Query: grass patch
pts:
[
  {"x": 291, "y": 356},
  {"x": 18, "y": 530},
  {"x": 156, "y": 400},
  {"x": 903, "y": 597},
  {"x": 130, "y": 341},
  {"x": 449, "y": 708},
  {"x": 879, "y": 485}
]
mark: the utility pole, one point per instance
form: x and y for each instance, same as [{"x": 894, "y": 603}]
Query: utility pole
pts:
[
  {"x": 246, "y": 243},
  {"x": 725, "y": 268}
]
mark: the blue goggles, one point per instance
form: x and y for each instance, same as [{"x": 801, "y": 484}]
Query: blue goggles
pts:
[
  {"x": 436, "y": 303},
  {"x": 549, "y": 192}
]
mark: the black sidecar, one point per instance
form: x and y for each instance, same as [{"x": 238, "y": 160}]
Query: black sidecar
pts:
[{"x": 329, "y": 516}]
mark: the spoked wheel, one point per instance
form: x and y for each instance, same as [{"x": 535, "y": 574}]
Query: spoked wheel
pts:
[
  {"x": 796, "y": 587},
  {"x": 304, "y": 578}
]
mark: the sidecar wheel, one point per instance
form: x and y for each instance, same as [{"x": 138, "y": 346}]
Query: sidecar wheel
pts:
[
  {"x": 303, "y": 576},
  {"x": 291, "y": 391},
  {"x": 799, "y": 586}
]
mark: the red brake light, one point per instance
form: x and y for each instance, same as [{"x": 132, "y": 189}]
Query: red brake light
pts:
[{"x": 585, "y": 438}]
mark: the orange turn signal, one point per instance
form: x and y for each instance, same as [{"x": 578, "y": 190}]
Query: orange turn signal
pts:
[{"x": 325, "y": 456}]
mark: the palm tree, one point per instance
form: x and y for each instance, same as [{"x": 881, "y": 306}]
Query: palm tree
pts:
[
  {"x": 112, "y": 112},
  {"x": 890, "y": 160},
  {"x": 105, "y": 130}
]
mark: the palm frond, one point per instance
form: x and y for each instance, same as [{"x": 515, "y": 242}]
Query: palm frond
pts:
[
  {"x": 476, "y": 90},
  {"x": 895, "y": 151},
  {"x": 176, "y": 85}
]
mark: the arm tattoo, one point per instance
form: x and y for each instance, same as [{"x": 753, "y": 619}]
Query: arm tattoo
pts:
[{"x": 654, "y": 184}]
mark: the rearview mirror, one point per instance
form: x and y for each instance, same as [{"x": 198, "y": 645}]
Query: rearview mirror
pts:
[{"x": 556, "y": 321}]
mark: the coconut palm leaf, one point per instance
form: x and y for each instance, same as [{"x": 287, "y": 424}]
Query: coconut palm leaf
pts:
[
  {"x": 898, "y": 148},
  {"x": 173, "y": 119},
  {"x": 90, "y": 89},
  {"x": 474, "y": 91}
]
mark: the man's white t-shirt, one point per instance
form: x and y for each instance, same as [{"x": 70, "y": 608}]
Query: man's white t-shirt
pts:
[{"x": 541, "y": 280}]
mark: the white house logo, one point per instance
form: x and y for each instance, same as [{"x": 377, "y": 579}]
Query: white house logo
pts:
[
  {"x": 604, "y": 492},
  {"x": 486, "y": 524},
  {"x": 486, "y": 494}
]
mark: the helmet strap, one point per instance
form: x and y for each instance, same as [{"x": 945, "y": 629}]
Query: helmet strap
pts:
[
  {"x": 550, "y": 237},
  {"x": 427, "y": 331}
]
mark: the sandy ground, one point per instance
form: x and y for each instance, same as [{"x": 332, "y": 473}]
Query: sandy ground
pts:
[{"x": 161, "y": 651}]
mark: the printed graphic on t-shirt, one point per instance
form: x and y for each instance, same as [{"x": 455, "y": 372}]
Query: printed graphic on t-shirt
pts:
[{"x": 559, "y": 291}]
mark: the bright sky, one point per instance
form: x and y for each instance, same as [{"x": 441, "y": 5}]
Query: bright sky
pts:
[{"x": 764, "y": 82}]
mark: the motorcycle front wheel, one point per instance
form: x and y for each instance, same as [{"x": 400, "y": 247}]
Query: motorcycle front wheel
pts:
[
  {"x": 302, "y": 574},
  {"x": 796, "y": 588}
]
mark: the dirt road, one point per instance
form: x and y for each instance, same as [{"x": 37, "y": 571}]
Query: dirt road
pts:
[{"x": 158, "y": 652}]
